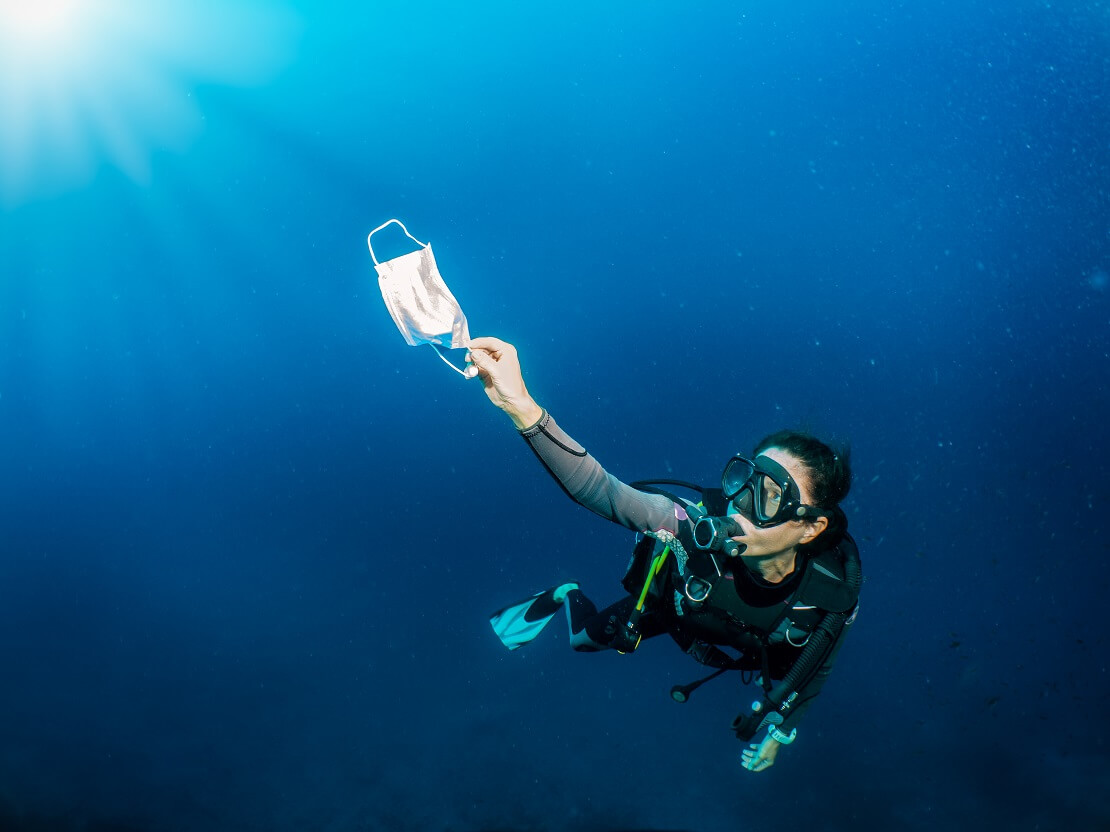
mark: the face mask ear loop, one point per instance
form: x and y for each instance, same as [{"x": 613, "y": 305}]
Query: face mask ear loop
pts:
[
  {"x": 379, "y": 228},
  {"x": 439, "y": 352}
]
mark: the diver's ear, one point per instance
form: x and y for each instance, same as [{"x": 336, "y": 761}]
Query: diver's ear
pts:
[{"x": 814, "y": 528}]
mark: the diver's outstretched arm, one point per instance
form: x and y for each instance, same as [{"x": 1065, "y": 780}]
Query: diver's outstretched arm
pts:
[{"x": 578, "y": 473}]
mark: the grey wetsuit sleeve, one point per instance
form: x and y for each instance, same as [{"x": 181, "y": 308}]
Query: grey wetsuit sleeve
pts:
[{"x": 586, "y": 482}]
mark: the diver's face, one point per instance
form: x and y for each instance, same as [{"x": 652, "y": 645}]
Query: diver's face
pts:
[{"x": 780, "y": 539}]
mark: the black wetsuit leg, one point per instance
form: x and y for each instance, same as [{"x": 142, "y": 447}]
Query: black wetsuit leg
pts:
[{"x": 591, "y": 630}]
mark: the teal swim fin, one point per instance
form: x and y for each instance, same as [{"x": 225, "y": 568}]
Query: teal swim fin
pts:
[{"x": 519, "y": 623}]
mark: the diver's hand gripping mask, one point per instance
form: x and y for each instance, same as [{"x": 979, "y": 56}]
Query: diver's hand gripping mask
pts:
[{"x": 418, "y": 300}]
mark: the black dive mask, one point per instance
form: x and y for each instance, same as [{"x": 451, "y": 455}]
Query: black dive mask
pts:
[{"x": 762, "y": 491}]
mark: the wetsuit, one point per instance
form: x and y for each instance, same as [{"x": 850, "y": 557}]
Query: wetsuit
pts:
[{"x": 772, "y": 650}]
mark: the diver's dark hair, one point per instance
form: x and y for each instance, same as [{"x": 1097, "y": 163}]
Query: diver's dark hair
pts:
[{"x": 830, "y": 477}]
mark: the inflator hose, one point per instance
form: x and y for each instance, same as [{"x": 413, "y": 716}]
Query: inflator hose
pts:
[{"x": 821, "y": 641}]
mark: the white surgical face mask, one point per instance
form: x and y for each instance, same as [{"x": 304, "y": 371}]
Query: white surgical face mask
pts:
[{"x": 418, "y": 300}]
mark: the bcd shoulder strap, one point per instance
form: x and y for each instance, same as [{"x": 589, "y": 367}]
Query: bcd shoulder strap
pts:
[{"x": 832, "y": 578}]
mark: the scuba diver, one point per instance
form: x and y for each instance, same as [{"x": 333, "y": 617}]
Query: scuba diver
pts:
[{"x": 762, "y": 566}]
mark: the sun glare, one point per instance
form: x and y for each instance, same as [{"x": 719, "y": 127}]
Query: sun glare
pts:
[
  {"x": 88, "y": 83},
  {"x": 37, "y": 21}
]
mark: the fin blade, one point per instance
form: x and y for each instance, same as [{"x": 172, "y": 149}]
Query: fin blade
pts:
[{"x": 520, "y": 623}]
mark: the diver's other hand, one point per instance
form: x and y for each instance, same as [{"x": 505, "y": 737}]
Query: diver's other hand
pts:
[
  {"x": 496, "y": 363},
  {"x": 760, "y": 756}
]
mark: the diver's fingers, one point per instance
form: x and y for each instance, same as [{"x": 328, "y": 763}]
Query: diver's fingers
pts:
[
  {"x": 752, "y": 761},
  {"x": 478, "y": 365},
  {"x": 500, "y": 363},
  {"x": 494, "y": 346},
  {"x": 480, "y": 358},
  {"x": 485, "y": 365}
]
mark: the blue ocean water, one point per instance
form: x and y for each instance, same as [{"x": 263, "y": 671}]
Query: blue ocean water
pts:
[{"x": 251, "y": 539}]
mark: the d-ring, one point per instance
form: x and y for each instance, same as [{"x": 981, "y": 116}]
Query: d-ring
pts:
[
  {"x": 701, "y": 586},
  {"x": 802, "y": 643}
]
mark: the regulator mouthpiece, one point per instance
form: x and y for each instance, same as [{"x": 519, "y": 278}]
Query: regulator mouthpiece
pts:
[{"x": 715, "y": 534}]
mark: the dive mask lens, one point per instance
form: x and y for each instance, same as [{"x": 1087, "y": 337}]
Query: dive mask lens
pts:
[
  {"x": 770, "y": 497},
  {"x": 736, "y": 475},
  {"x": 761, "y": 501},
  {"x": 742, "y": 504}
]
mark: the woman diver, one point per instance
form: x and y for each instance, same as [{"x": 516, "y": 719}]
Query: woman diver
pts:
[{"x": 763, "y": 565}]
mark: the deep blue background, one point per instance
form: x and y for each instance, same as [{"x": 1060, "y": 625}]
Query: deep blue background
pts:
[{"x": 250, "y": 539}]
